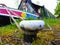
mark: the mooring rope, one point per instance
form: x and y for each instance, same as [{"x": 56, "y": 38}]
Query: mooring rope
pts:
[{"x": 13, "y": 18}]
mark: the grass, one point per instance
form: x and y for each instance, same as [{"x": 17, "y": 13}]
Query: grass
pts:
[
  {"x": 11, "y": 28},
  {"x": 54, "y": 23},
  {"x": 8, "y": 29}
]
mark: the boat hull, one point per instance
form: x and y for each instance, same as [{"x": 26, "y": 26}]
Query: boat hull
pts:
[{"x": 4, "y": 20}]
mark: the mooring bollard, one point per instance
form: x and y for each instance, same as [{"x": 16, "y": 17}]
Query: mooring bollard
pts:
[{"x": 31, "y": 28}]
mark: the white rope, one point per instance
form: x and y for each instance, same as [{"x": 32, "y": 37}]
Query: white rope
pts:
[
  {"x": 13, "y": 19},
  {"x": 50, "y": 28}
]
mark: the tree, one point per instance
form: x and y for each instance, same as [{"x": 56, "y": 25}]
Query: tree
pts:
[{"x": 57, "y": 10}]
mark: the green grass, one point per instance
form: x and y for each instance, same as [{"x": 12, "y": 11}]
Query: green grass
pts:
[
  {"x": 12, "y": 27},
  {"x": 9, "y": 29},
  {"x": 52, "y": 21}
]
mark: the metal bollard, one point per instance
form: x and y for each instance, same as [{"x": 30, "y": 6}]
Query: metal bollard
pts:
[{"x": 31, "y": 28}]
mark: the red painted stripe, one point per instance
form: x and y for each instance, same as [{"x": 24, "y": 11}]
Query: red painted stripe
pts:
[
  {"x": 3, "y": 11},
  {"x": 18, "y": 13}
]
